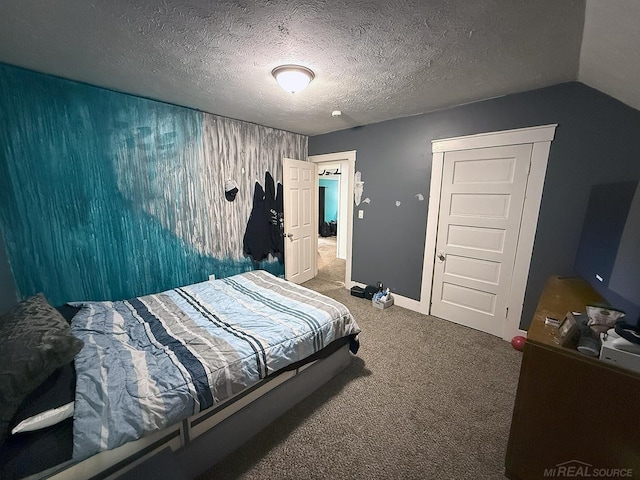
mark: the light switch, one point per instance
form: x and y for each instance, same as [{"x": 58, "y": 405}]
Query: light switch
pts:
[{"x": 360, "y": 213}]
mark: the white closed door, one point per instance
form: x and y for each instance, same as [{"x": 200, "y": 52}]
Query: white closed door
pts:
[
  {"x": 300, "y": 185},
  {"x": 481, "y": 203}
]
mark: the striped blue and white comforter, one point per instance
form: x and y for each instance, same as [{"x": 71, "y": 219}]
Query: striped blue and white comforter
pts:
[{"x": 152, "y": 361}]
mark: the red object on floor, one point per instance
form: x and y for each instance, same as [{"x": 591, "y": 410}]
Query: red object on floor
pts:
[{"x": 517, "y": 342}]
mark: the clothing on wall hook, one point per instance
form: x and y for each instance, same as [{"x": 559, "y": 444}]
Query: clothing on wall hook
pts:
[
  {"x": 358, "y": 187},
  {"x": 329, "y": 172}
]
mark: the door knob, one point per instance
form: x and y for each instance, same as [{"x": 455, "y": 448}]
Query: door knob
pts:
[
  {"x": 290, "y": 236},
  {"x": 441, "y": 256}
]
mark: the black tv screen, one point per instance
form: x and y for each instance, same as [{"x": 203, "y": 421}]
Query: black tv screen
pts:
[{"x": 608, "y": 255}]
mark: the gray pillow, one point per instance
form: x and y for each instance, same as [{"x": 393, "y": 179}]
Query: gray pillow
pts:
[{"x": 35, "y": 340}]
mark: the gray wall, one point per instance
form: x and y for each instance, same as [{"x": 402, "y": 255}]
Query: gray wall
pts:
[{"x": 596, "y": 141}]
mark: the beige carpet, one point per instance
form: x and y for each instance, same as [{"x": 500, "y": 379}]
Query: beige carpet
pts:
[
  {"x": 423, "y": 399},
  {"x": 330, "y": 268}
]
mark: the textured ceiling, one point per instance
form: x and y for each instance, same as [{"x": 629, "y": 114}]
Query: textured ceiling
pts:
[{"x": 374, "y": 60}]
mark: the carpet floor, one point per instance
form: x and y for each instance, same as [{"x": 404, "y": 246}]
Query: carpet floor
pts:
[{"x": 423, "y": 399}]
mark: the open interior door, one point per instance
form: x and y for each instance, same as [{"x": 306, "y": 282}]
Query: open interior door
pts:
[{"x": 300, "y": 187}]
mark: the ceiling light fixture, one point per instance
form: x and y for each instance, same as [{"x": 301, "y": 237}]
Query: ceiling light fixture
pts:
[{"x": 293, "y": 78}]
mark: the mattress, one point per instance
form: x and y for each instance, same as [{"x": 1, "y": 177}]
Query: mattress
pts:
[{"x": 153, "y": 361}]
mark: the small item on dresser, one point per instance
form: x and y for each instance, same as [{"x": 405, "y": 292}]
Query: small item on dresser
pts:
[
  {"x": 567, "y": 329},
  {"x": 554, "y": 322},
  {"x": 588, "y": 339},
  {"x": 602, "y": 319}
]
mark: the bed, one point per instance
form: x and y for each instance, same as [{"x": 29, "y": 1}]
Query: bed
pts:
[{"x": 194, "y": 371}]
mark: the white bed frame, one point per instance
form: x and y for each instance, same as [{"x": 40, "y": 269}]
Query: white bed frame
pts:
[{"x": 201, "y": 441}]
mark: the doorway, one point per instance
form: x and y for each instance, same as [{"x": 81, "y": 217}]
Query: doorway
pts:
[{"x": 334, "y": 251}]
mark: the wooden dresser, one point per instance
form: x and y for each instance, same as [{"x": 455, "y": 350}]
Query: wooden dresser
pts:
[{"x": 573, "y": 414}]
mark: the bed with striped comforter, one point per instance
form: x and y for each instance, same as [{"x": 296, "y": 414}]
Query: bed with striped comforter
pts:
[{"x": 152, "y": 361}]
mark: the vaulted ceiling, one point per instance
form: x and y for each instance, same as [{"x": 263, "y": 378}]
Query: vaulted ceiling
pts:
[{"x": 373, "y": 59}]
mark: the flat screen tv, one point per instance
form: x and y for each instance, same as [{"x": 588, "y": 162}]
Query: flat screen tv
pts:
[{"x": 608, "y": 255}]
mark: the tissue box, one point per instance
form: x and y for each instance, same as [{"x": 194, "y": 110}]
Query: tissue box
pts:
[{"x": 382, "y": 305}]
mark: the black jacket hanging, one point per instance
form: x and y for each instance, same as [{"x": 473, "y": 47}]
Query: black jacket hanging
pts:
[
  {"x": 272, "y": 212},
  {"x": 257, "y": 242},
  {"x": 264, "y": 234}
]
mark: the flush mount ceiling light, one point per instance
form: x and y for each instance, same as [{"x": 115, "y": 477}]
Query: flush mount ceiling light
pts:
[{"x": 292, "y": 78}]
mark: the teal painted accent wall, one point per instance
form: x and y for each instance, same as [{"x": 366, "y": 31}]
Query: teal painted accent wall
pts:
[
  {"x": 8, "y": 296},
  {"x": 105, "y": 195},
  {"x": 330, "y": 199}
]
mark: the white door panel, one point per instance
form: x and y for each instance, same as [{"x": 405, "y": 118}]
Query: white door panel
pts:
[
  {"x": 468, "y": 298},
  {"x": 480, "y": 205},
  {"x": 300, "y": 245},
  {"x": 473, "y": 269},
  {"x": 481, "y": 201},
  {"x": 485, "y": 239}
]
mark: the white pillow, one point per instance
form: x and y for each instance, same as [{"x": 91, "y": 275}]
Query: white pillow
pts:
[{"x": 45, "y": 419}]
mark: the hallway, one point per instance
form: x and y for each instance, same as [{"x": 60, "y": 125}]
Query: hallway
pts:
[{"x": 330, "y": 268}]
